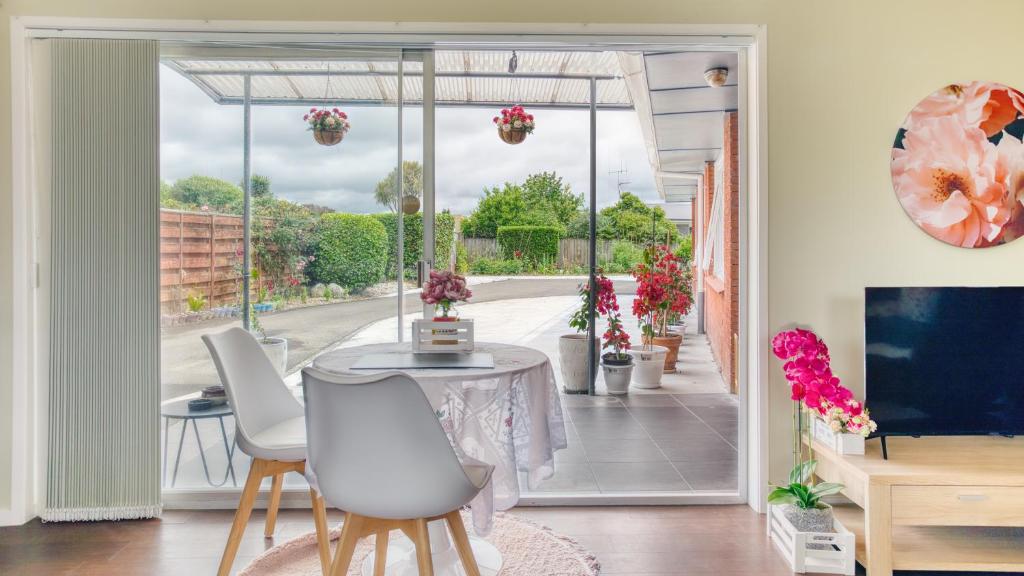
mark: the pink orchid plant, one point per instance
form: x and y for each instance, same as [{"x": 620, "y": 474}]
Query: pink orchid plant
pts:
[
  {"x": 443, "y": 289},
  {"x": 813, "y": 385}
]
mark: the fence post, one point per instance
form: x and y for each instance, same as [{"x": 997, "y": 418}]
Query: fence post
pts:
[
  {"x": 181, "y": 261},
  {"x": 213, "y": 255}
]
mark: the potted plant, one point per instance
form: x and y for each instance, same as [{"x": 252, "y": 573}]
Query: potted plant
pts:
[
  {"x": 801, "y": 501},
  {"x": 329, "y": 126},
  {"x": 442, "y": 290},
  {"x": 573, "y": 349},
  {"x": 663, "y": 295},
  {"x": 617, "y": 365},
  {"x": 275, "y": 348},
  {"x": 514, "y": 124}
]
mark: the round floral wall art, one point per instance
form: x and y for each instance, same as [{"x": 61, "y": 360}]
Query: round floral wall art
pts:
[{"x": 958, "y": 164}]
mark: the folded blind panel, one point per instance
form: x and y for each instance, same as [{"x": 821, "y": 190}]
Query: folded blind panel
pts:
[{"x": 103, "y": 398}]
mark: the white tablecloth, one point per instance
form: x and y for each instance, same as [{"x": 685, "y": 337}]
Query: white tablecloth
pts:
[{"x": 509, "y": 416}]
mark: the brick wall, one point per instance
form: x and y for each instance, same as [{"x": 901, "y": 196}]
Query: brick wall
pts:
[{"x": 721, "y": 295}]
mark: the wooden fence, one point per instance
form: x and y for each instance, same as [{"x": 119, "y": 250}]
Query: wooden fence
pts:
[
  {"x": 572, "y": 252},
  {"x": 200, "y": 254}
]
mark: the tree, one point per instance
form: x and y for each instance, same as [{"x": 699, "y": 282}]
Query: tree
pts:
[
  {"x": 546, "y": 190},
  {"x": 507, "y": 206},
  {"x": 631, "y": 219},
  {"x": 259, "y": 187},
  {"x": 198, "y": 191},
  {"x": 386, "y": 192}
]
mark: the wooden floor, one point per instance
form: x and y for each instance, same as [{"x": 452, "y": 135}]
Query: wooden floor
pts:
[{"x": 689, "y": 540}]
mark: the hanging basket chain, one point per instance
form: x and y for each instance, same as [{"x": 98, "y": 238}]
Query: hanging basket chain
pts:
[
  {"x": 514, "y": 123},
  {"x": 328, "y": 125}
]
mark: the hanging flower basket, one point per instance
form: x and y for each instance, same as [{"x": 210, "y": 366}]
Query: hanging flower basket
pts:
[
  {"x": 514, "y": 124},
  {"x": 329, "y": 126}
]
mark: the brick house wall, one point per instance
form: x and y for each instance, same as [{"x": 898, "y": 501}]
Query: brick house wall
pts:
[{"x": 721, "y": 295}]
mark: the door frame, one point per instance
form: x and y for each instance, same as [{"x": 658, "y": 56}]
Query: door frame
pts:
[{"x": 28, "y": 417}]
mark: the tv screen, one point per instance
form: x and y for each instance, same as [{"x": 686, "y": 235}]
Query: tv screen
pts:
[{"x": 945, "y": 361}]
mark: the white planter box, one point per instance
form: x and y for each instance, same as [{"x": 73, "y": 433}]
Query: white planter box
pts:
[
  {"x": 430, "y": 336},
  {"x": 846, "y": 444},
  {"x": 819, "y": 552}
]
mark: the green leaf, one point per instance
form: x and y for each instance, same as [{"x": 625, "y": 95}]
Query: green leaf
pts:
[
  {"x": 802, "y": 472},
  {"x": 826, "y": 489},
  {"x": 781, "y": 496}
]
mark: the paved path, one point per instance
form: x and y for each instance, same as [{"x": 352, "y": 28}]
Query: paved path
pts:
[{"x": 186, "y": 365}]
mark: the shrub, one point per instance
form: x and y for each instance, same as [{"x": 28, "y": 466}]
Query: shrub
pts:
[
  {"x": 444, "y": 232},
  {"x": 537, "y": 244},
  {"x": 685, "y": 250},
  {"x": 625, "y": 255},
  {"x": 351, "y": 250},
  {"x": 494, "y": 267},
  {"x": 461, "y": 259}
]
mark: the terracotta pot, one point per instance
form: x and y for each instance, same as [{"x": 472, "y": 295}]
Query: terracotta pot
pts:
[
  {"x": 445, "y": 332},
  {"x": 672, "y": 343},
  {"x": 511, "y": 136},
  {"x": 328, "y": 137}
]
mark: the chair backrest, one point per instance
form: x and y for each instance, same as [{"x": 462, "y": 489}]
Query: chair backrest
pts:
[
  {"x": 258, "y": 395},
  {"x": 377, "y": 448}
]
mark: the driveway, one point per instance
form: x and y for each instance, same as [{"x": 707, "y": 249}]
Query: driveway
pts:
[{"x": 186, "y": 366}]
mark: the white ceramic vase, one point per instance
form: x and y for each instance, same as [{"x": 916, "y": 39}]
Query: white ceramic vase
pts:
[
  {"x": 277, "y": 350},
  {"x": 650, "y": 365},
  {"x": 617, "y": 377},
  {"x": 573, "y": 357}
]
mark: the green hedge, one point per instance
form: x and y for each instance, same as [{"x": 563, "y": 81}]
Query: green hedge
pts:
[
  {"x": 537, "y": 244},
  {"x": 444, "y": 233},
  {"x": 351, "y": 250},
  {"x": 492, "y": 267}
]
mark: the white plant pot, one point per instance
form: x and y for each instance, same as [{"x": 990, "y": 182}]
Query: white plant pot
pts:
[
  {"x": 843, "y": 443},
  {"x": 617, "y": 377},
  {"x": 573, "y": 358},
  {"x": 277, "y": 350},
  {"x": 650, "y": 365}
]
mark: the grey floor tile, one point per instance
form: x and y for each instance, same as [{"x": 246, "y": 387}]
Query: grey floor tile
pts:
[
  {"x": 569, "y": 477},
  {"x": 584, "y": 401},
  {"x": 708, "y": 399},
  {"x": 638, "y": 477},
  {"x": 611, "y": 430},
  {"x": 574, "y": 454},
  {"x": 690, "y": 450},
  {"x": 710, "y": 475},
  {"x": 599, "y": 414},
  {"x": 654, "y": 400},
  {"x": 622, "y": 450}
]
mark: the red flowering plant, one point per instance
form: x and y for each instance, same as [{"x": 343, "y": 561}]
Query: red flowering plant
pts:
[
  {"x": 616, "y": 338},
  {"x": 515, "y": 118},
  {"x": 663, "y": 291},
  {"x": 333, "y": 120},
  {"x": 813, "y": 386},
  {"x": 606, "y": 302}
]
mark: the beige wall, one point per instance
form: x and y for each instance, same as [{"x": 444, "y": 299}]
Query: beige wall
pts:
[{"x": 842, "y": 74}]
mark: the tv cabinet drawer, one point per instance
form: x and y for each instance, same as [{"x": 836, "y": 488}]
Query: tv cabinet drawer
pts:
[{"x": 958, "y": 505}]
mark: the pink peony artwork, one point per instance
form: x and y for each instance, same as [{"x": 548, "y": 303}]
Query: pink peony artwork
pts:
[{"x": 958, "y": 164}]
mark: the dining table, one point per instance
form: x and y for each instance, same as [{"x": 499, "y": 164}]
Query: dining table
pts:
[{"x": 509, "y": 416}]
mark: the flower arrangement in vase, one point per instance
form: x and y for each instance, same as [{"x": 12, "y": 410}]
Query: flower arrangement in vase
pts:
[
  {"x": 815, "y": 389},
  {"x": 514, "y": 124},
  {"x": 329, "y": 126},
  {"x": 663, "y": 292},
  {"x": 443, "y": 289}
]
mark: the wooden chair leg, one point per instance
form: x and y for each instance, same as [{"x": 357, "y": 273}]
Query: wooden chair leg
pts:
[
  {"x": 323, "y": 535},
  {"x": 273, "y": 504},
  {"x": 423, "y": 558},
  {"x": 462, "y": 546},
  {"x": 380, "y": 558},
  {"x": 350, "y": 533},
  {"x": 245, "y": 503}
]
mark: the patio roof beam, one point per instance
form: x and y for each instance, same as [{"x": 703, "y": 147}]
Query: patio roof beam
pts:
[
  {"x": 416, "y": 103},
  {"x": 453, "y": 74}
]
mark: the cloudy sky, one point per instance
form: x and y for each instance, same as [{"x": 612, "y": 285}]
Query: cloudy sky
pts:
[{"x": 200, "y": 137}]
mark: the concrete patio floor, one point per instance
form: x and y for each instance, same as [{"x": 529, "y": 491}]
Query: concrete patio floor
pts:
[{"x": 681, "y": 438}]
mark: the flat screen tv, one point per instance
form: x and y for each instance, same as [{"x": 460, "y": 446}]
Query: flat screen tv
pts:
[{"x": 945, "y": 361}]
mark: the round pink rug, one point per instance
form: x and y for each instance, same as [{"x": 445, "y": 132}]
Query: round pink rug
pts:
[{"x": 527, "y": 549}]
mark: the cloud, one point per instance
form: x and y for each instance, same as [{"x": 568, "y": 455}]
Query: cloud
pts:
[{"x": 201, "y": 137}]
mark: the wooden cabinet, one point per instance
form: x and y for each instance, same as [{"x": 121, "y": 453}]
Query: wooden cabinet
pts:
[{"x": 950, "y": 503}]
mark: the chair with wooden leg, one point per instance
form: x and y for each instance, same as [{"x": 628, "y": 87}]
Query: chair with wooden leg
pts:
[
  {"x": 269, "y": 426},
  {"x": 377, "y": 451}
]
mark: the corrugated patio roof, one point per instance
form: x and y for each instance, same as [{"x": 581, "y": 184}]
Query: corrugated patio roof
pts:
[{"x": 463, "y": 78}]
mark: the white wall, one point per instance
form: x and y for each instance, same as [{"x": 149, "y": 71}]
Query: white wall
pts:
[{"x": 842, "y": 75}]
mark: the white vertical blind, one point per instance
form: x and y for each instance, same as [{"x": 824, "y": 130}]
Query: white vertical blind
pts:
[{"x": 103, "y": 441}]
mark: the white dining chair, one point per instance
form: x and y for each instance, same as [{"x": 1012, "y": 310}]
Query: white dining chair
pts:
[
  {"x": 377, "y": 451},
  {"x": 269, "y": 426}
]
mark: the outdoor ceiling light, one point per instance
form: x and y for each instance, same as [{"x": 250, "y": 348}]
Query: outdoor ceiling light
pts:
[{"x": 716, "y": 77}]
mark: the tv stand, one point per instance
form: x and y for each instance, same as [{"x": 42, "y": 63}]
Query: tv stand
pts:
[{"x": 951, "y": 503}]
